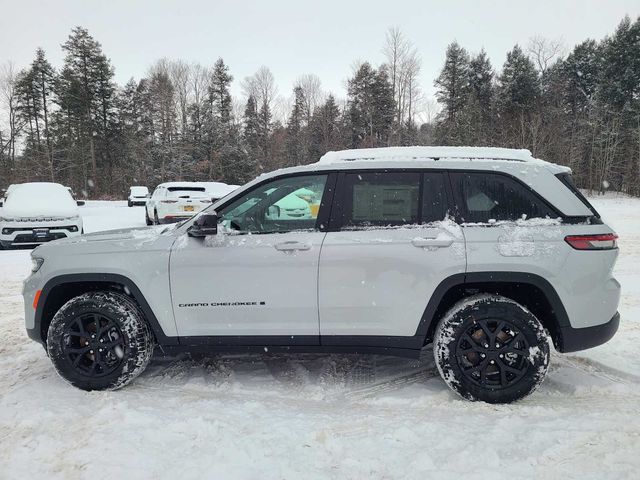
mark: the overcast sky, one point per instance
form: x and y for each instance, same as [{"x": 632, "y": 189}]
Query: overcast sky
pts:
[{"x": 293, "y": 37}]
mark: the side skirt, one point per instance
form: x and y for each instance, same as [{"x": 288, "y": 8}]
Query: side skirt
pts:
[{"x": 395, "y": 346}]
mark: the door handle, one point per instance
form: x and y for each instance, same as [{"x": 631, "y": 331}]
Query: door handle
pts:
[
  {"x": 434, "y": 242},
  {"x": 292, "y": 246}
]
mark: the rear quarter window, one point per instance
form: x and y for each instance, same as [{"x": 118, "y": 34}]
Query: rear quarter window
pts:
[{"x": 488, "y": 197}]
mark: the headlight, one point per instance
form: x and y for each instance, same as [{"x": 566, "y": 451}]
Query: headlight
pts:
[{"x": 36, "y": 263}]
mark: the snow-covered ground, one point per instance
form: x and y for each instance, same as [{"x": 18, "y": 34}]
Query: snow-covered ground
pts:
[{"x": 319, "y": 416}]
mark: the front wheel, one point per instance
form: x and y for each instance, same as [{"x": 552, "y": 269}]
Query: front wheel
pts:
[
  {"x": 99, "y": 341},
  {"x": 490, "y": 348}
]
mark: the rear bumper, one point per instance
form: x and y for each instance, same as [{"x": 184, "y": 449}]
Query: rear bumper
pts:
[
  {"x": 174, "y": 218},
  {"x": 575, "y": 339}
]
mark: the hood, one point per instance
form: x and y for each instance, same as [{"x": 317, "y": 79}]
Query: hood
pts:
[
  {"x": 124, "y": 239},
  {"x": 39, "y": 200}
]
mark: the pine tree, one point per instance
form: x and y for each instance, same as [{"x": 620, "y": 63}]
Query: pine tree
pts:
[
  {"x": 251, "y": 132},
  {"x": 325, "y": 129},
  {"x": 85, "y": 92},
  {"x": 220, "y": 118},
  {"x": 519, "y": 86},
  {"x": 518, "y": 94},
  {"x": 452, "y": 93},
  {"x": 296, "y": 129},
  {"x": 371, "y": 107},
  {"x": 478, "y": 112}
]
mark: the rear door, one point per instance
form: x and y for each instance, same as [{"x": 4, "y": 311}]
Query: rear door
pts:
[
  {"x": 508, "y": 227},
  {"x": 389, "y": 246}
]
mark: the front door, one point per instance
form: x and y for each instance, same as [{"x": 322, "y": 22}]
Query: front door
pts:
[{"x": 258, "y": 276}]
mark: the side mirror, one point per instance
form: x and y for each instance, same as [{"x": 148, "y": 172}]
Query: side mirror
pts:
[
  {"x": 273, "y": 211},
  {"x": 204, "y": 226},
  {"x": 80, "y": 203}
]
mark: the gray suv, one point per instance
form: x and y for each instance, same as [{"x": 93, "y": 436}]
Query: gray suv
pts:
[{"x": 488, "y": 254}]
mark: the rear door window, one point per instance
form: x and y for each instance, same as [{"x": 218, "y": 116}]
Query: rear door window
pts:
[
  {"x": 380, "y": 199},
  {"x": 491, "y": 197}
]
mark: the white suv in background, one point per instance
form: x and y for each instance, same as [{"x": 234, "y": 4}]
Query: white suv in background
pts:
[
  {"x": 487, "y": 254},
  {"x": 137, "y": 196},
  {"x": 175, "y": 201},
  {"x": 34, "y": 213}
]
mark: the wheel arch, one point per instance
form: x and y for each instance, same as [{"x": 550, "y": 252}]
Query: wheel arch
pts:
[
  {"x": 58, "y": 290},
  {"x": 530, "y": 290}
]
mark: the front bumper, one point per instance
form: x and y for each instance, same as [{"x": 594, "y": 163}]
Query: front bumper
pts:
[
  {"x": 575, "y": 339},
  {"x": 36, "y": 233}
]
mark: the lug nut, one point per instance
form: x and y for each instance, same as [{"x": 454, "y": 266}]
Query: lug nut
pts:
[
  {"x": 486, "y": 345},
  {"x": 99, "y": 349},
  {"x": 90, "y": 351},
  {"x": 501, "y": 356},
  {"x": 482, "y": 355},
  {"x": 93, "y": 336},
  {"x": 492, "y": 362},
  {"x": 497, "y": 345}
]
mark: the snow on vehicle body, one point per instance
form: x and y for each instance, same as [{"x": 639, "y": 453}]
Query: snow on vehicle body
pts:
[
  {"x": 137, "y": 196},
  {"x": 479, "y": 251},
  {"x": 175, "y": 201},
  {"x": 34, "y": 213}
]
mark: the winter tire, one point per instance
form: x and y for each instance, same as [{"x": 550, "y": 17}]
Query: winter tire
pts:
[
  {"x": 129, "y": 204},
  {"x": 156, "y": 220},
  {"x": 146, "y": 217},
  {"x": 490, "y": 348},
  {"x": 99, "y": 341}
]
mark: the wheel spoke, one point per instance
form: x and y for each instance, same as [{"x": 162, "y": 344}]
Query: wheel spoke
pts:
[
  {"x": 509, "y": 369},
  {"x": 503, "y": 375},
  {"x": 81, "y": 326},
  {"x": 486, "y": 330}
]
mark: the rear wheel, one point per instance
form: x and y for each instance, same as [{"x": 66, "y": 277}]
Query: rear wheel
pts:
[
  {"x": 156, "y": 220},
  {"x": 146, "y": 217},
  {"x": 492, "y": 349},
  {"x": 99, "y": 341}
]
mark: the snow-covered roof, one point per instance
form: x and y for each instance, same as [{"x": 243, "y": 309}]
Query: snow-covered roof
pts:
[
  {"x": 429, "y": 153},
  {"x": 219, "y": 189},
  {"x": 182, "y": 184}
]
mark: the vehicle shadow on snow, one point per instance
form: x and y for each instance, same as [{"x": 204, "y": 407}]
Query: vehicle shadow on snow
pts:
[
  {"x": 351, "y": 375},
  {"x": 354, "y": 376}
]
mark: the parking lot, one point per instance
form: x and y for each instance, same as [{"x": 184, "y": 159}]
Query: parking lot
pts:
[{"x": 317, "y": 416}]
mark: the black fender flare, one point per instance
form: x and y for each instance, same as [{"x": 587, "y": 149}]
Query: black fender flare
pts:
[
  {"x": 111, "y": 278},
  {"x": 488, "y": 277}
]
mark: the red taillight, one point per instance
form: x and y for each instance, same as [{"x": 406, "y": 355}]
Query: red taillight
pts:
[
  {"x": 605, "y": 241},
  {"x": 168, "y": 201}
]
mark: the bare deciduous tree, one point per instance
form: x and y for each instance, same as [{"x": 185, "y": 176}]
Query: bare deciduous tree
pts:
[
  {"x": 8, "y": 79},
  {"x": 544, "y": 50}
]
